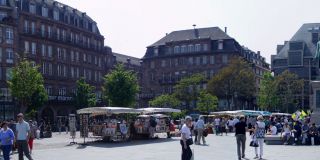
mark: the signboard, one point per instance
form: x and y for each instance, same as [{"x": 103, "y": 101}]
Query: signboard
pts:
[{"x": 84, "y": 119}]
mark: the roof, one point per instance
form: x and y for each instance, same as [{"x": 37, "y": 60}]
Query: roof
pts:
[
  {"x": 302, "y": 35},
  {"x": 124, "y": 59},
  {"x": 213, "y": 33}
]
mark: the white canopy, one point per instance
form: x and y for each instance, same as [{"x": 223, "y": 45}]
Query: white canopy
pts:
[
  {"x": 107, "y": 110},
  {"x": 159, "y": 110},
  {"x": 153, "y": 115}
]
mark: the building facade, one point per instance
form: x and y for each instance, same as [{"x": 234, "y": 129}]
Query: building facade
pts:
[
  {"x": 297, "y": 56},
  {"x": 65, "y": 43},
  {"x": 186, "y": 52}
]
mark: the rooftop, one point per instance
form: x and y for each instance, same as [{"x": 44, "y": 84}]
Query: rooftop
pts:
[{"x": 124, "y": 59}]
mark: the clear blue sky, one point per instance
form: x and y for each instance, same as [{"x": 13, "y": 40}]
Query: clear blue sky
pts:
[{"x": 131, "y": 25}]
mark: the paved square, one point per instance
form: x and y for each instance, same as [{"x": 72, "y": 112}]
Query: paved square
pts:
[{"x": 220, "y": 147}]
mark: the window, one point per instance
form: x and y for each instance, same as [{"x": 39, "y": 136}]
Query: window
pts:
[
  {"x": 71, "y": 37},
  {"x": 77, "y": 38},
  {"x": 26, "y": 47},
  {"x": 183, "y": 49},
  {"x": 56, "y": 15},
  {"x": 163, "y": 63},
  {"x": 59, "y": 53},
  {"x": 84, "y": 57},
  {"x": 176, "y": 49},
  {"x": 8, "y": 73},
  {"x": 72, "y": 56},
  {"x": 58, "y": 33},
  {"x": 205, "y": 47},
  {"x": 62, "y": 91},
  {"x": 33, "y": 28},
  {"x": 220, "y": 45},
  {"x": 224, "y": 59},
  {"x": 44, "y": 68},
  {"x": 48, "y": 90},
  {"x": 77, "y": 56},
  {"x": 43, "y": 50},
  {"x": 197, "y": 60},
  {"x": 190, "y": 60},
  {"x": 59, "y": 70},
  {"x": 50, "y": 51},
  {"x": 204, "y": 60},
  {"x": 95, "y": 60},
  {"x": 65, "y": 72},
  {"x": 33, "y": 48},
  {"x": 44, "y": 11},
  {"x": 64, "y": 54},
  {"x": 3, "y": 15},
  {"x": 212, "y": 60},
  {"x": 78, "y": 73},
  {"x": 32, "y": 8},
  {"x": 9, "y": 35},
  {"x": 198, "y": 47},
  {"x": 72, "y": 72},
  {"x": 191, "y": 48},
  {"x": 10, "y": 56},
  {"x": 50, "y": 69},
  {"x": 43, "y": 30},
  {"x": 26, "y": 26},
  {"x": 152, "y": 65},
  {"x": 156, "y": 51},
  {"x": 49, "y": 31},
  {"x": 63, "y": 35},
  {"x": 3, "y": 2}
]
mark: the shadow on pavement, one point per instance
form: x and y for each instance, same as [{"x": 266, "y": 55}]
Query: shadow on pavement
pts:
[{"x": 103, "y": 144}]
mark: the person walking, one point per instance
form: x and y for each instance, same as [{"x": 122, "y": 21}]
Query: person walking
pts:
[
  {"x": 6, "y": 139},
  {"x": 33, "y": 132},
  {"x": 259, "y": 132},
  {"x": 217, "y": 125},
  {"x": 200, "y": 128},
  {"x": 240, "y": 129},
  {"x": 23, "y": 133},
  {"x": 186, "y": 139}
]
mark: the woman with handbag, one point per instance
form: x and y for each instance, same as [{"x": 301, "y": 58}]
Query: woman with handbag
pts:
[{"x": 186, "y": 139}]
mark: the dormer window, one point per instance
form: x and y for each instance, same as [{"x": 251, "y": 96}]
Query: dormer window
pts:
[
  {"x": 85, "y": 24},
  {"x": 44, "y": 11},
  {"x": 32, "y": 8},
  {"x": 56, "y": 15},
  {"x": 3, "y": 2},
  {"x": 94, "y": 28},
  {"x": 220, "y": 45},
  {"x": 156, "y": 51}
]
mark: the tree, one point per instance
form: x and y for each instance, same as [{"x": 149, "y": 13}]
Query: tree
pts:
[
  {"x": 289, "y": 89},
  {"x": 187, "y": 89},
  {"x": 165, "y": 100},
  {"x": 120, "y": 87},
  {"x": 236, "y": 81},
  {"x": 268, "y": 98},
  {"x": 206, "y": 102},
  {"x": 84, "y": 96},
  {"x": 27, "y": 86}
]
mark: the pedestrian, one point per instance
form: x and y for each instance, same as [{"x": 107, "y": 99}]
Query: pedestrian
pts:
[
  {"x": 23, "y": 133},
  {"x": 240, "y": 129},
  {"x": 66, "y": 125},
  {"x": 223, "y": 126},
  {"x": 297, "y": 132},
  {"x": 6, "y": 138},
  {"x": 194, "y": 130},
  {"x": 286, "y": 133},
  {"x": 33, "y": 132},
  {"x": 259, "y": 132},
  {"x": 230, "y": 124},
  {"x": 217, "y": 125},
  {"x": 200, "y": 128},
  {"x": 59, "y": 125},
  {"x": 186, "y": 139}
]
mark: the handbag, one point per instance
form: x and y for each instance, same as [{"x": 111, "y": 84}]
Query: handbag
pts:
[
  {"x": 189, "y": 141},
  {"x": 254, "y": 143}
]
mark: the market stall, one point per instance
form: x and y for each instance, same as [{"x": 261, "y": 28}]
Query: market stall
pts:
[{"x": 109, "y": 123}]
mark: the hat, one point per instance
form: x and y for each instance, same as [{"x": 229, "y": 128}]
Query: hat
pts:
[
  {"x": 260, "y": 117},
  {"x": 188, "y": 118}
]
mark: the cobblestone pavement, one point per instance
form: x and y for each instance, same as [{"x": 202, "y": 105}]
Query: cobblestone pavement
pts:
[{"x": 219, "y": 148}]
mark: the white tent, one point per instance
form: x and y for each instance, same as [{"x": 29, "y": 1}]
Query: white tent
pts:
[
  {"x": 107, "y": 110},
  {"x": 159, "y": 110}
]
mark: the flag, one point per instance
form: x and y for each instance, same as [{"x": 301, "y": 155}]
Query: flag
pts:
[
  {"x": 294, "y": 116},
  {"x": 303, "y": 114}
]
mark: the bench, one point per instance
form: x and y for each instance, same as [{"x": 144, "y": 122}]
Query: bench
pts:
[{"x": 273, "y": 140}]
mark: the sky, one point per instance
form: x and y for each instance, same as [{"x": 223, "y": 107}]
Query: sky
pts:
[{"x": 129, "y": 26}]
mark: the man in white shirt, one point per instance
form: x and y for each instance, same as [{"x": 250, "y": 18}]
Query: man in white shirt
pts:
[
  {"x": 186, "y": 139},
  {"x": 273, "y": 129},
  {"x": 23, "y": 135}
]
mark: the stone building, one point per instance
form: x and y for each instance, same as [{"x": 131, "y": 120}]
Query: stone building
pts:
[
  {"x": 297, "y": 56},
  {"x": 64, "y": 42},
  {"x": 185, "y": 52}
]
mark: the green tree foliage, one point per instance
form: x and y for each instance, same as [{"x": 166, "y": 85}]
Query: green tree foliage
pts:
[
  {"x": 120, "y": 87},
  {"x": 165, "y": 100},
  {"x": 26, "y": 85},
  {"x": 187, "y": 89},
  {"x": 289, "y": 90},
  {"x": 268, "y": 98},
  {"x": 206, "y": 102},
  {"x": 178, "y": 115},
  {"x": 237, "y": 79},
  {"x": 84, "y": 96}
]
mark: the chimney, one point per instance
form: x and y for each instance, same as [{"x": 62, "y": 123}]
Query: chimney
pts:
[
  {"x": 225, "y": 30},
  {"x": 83, "y": 14},
  {"x": 196, "y": 32},
  {"x": 258, "y": 52},
  {"x": 166, "y": 34}
]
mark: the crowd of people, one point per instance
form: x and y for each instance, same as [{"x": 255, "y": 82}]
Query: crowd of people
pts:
[{"x": 292, "y": 131}]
